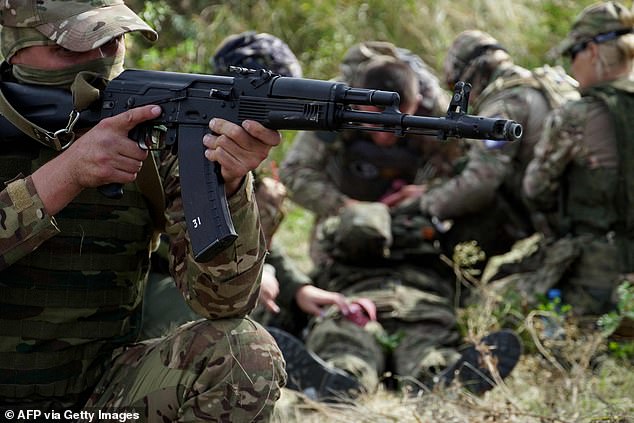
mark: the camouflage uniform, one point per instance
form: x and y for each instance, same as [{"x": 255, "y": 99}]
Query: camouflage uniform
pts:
[
  {"x": 581, "y": 169},
  {"x": 484, "y": 200},
  {"x": 164, "y": 307},
  {"x": 414, "y": 302},
  {"x": 322, "y": 170},
  {"x": 72, "y": 284}
]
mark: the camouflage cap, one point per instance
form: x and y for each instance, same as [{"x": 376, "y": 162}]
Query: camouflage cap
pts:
[
  {"x": 466, "y": 47},
  {"x": 76, "y": 25},
  {"x": 600, "y": 22},
  {"x": 256, "y": 51}
]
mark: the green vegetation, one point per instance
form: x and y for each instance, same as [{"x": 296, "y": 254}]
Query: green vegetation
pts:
[{"x": 582, "y": 375}]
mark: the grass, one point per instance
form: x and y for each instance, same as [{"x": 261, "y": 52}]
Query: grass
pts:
[
  {"x": 567, "y": 379},
  {"x": 574, "y": 379}
]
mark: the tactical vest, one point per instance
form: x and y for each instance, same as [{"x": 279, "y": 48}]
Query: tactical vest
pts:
[
  {"x": 552, "y": 82},
  {"x": 66, "y": 306},
  {"x": 365, "y": 171},
  {"x": 618, "y": 97},
  {"x": 557, "y": 88}
]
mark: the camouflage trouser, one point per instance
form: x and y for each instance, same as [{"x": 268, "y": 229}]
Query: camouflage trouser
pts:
[
  {"x": 427, "y": 340},
  {"x": 226, "y": 370},
  {"x": 584, "y": 268}
]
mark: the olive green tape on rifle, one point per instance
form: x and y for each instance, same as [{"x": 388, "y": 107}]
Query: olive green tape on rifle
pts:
[{"x": 85, "y": 93}]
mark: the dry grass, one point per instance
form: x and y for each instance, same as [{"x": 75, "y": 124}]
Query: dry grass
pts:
[
  {"x": 567, "y": 379},
  {"x": 575, "y": 390}
]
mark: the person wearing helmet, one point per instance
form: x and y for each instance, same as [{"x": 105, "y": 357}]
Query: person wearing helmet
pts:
[
  {"x": 287, "y": 296},
  {"x": 325, "y": 171},
  {"x": 582, "y": 163},
  {"x": 484, "y": 201},
  {"x": 379, "y": 255},
  {"x": 282, "y": 281},
  {"x": 73, "y": 263},
  {"x": 254, "y": 50}
]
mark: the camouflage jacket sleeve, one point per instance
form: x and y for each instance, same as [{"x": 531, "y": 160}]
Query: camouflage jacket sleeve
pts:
[
  {"x": 560, "y": 142},
  {"x": 24, "y": 224},
  {"x": 470, "y": 190},
  {"x": 226, "y": 286},
  {"x": 303, "y": 171},
  {"x": 488, "y": 164}
]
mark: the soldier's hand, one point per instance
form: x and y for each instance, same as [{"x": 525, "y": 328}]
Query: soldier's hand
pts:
[
  {"x": 311, "y": 300},
  {"x": 269, "y": 290},
  {"x": 407, "y": 192},
  {"x": 105, "y": 154},
  {"x": 238, "y": 149},
  {"x": 102, "y": 155}
]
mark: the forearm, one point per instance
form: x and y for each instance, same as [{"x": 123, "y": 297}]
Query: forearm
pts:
[
  {"x": 468, "y": 192},
  {"x": 55, "y": 185},
  {"x": 25, "y": 224},
  {"x": 226, "y": 286},
  {"x": 304, "y": 174},
  {"x": 288, "y": 274},
  {"x": 552, "y": 154}
]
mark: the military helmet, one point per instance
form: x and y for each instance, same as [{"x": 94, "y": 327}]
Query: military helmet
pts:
[
  {"x": 75, "y": 25},
  {"x": 256, "y": 51},
  {"x": 462, "y": 57},
  {"x": 599, "y": 23}
]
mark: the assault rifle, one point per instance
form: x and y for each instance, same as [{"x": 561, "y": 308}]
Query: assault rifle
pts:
[{"x": 189, "y": 101}]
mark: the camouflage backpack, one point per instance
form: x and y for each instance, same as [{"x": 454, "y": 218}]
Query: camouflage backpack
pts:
[
  {"x": 434, "y": 99},
  {"x": 552, "y": 81}
]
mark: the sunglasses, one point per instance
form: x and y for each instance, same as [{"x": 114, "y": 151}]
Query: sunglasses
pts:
[
  {"x": 576, "y": 49},
  {"x": 599, "y": 38}
]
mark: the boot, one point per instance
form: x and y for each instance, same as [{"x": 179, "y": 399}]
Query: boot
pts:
[
  {"x": 309, "y": 374},
  {"x": 505, "y": 349}
]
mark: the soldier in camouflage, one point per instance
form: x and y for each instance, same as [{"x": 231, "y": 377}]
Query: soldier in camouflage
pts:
[
  {"x": 484, "y": 200},
  {"x": 582, "y": 164},
  {"x": 287, "y": 296},
  {"x": 373, "y": 250},
  {"x": 73, "y": 263},
  {"x": 324, "y": 171}
]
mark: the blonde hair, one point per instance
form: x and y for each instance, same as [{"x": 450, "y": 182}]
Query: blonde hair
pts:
[{"x": 616, "y": 57}]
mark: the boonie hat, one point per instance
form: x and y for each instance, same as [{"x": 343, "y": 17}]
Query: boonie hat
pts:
[
  {"x": 598, "y": 23},
  {"x": 75, "y": 25}
]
